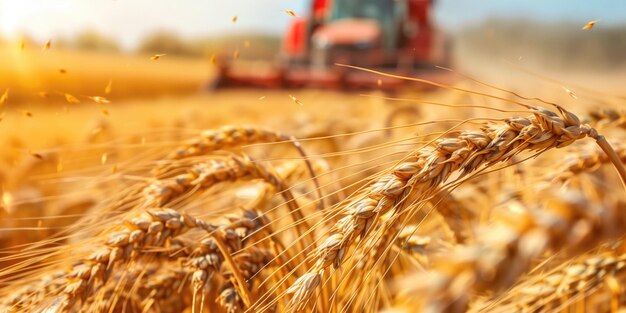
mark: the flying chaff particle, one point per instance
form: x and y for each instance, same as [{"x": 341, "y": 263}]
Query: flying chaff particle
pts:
[
  {"x": 71, "y": 99},
  {"x": 590, "y": 25},
  {"x": 157, "y": 56}
]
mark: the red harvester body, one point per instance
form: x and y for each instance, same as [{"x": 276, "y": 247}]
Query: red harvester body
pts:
[{"x": 393, "y": 36}]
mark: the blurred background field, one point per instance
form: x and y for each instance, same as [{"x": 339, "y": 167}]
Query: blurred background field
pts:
[
  {"x": 95, "y": 59},
  {"x": 88, "y": 53},
  {"x": 30, "y": 72}
]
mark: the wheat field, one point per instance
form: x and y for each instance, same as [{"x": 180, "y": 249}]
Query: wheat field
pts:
[{"x": 139, "y": 193}]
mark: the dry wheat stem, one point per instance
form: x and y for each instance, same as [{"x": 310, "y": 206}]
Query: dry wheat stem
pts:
[
  {"x": 513, "y": 93},
  {"x": 250, "y": 263},
  {"x": 212, "y": 252},
  {"x": 613, "y": 157},
  {"x": 448, "y": 87}
]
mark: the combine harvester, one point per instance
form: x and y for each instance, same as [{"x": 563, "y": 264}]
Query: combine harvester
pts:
[{"x": 391, "y": 36}]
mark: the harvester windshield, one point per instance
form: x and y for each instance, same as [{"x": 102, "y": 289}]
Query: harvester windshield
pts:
[
  {"x": 368, "y": 9},
  {"x": 387, "y": 13}
]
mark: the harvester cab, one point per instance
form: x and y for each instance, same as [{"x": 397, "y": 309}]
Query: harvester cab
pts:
[{"x": 395, "y": 36}]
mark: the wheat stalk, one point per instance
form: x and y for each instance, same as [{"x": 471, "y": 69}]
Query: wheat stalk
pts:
[
  {"x": 250, "y": 263},
  {"x": 430, "y": 167},
  {"x": 212, "y": 252},
  {"x": 207, "y": 174}
]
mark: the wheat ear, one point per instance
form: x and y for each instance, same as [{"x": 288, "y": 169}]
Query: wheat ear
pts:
[
  {"x": 608, "y": 117},
  {"x": 152, "y": 228},
  {"x": 557, "y": 289},
  {"x": 430, "y": 167},
  {"x": 506, "y": 248},
  {"x": 584, "y": 162},
  {"x": 229, "y": 137}
]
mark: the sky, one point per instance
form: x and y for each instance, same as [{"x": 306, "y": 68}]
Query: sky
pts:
[{"x": 130, "y": 20}]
